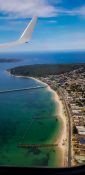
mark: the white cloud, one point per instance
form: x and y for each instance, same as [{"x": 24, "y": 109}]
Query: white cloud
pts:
[
  {"x": 26, "y": 8},
  {"x": 53, "y": 21},
  {"x": 74, "y": 12},
  {"x": 42, "y": 8}
]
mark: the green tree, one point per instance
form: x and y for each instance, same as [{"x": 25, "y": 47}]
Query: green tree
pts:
[{"x": 75, "y": 131}]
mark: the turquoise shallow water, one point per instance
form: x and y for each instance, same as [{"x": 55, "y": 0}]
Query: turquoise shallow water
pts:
[
  {"x": 18, "y": 124},
  {"x": 18, "y": 111}
]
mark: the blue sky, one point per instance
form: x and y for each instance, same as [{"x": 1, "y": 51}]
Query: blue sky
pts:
[{"x": 60, "y": 26}]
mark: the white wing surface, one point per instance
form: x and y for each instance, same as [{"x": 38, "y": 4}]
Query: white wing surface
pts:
[{"x": 25, "y": 37}]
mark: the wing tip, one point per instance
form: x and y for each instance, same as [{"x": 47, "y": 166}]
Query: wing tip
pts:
[{"x": 29, "y": 29}]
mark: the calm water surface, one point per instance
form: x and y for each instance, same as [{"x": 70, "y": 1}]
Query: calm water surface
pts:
[
  {"x": 18, "y": 123},
  {"x": 19, "y": 110}
]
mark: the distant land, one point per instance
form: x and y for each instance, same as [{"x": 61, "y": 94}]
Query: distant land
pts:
[
  {"x": 40, "y": 70},
  {"x": 9, "y": 60}
]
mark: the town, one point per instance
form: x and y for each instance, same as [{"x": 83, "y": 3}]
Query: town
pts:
[{"x": 71, "y": 88}]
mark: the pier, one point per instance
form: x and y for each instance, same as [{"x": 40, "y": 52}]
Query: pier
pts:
[
  {"x": 45, "y": 118},
  {"x": 36, "y": 145},
  {"x": 23, "y": 89}
]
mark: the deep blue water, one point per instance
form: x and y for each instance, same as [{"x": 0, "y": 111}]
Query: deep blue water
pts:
[{"x": 40, "y": 58}]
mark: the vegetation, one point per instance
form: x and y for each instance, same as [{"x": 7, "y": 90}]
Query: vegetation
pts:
[
  {"x": 75, "y": 131},
  {"x": 75, "y": 87},
  {"x": 80, "y": 102},
  {"x": 9, "y": 60},
  {"x": 44, "y": 70},
  {"x": 83, "y": 109}
]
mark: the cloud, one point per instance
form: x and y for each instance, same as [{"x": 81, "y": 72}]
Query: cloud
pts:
[
  {"x": 74, "y": 12},
  {"x": 27, "y": 8},
  {"x": 52, "y": 21},
  {"x": 43, "y": 8}
]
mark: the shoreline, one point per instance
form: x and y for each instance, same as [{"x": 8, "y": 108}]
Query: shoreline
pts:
[
  {"x": 61, "y": 137},
  {"x": 61, "y": 116}
]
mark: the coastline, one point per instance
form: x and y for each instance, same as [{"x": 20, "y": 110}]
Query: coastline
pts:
[
  {"x": 61, "y": 116},
  {"x": 61, "y": 137}
]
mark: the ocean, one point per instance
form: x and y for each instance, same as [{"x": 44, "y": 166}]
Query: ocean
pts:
[
  {"x": 19, "y": 112},
  {"x": 47, "y": 57}
]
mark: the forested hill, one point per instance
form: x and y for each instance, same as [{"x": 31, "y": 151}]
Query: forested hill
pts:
[{"x": 44, "y": 69}]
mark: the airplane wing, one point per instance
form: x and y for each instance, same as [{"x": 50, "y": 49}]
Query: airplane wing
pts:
[{"x": 25, "y": 37}]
